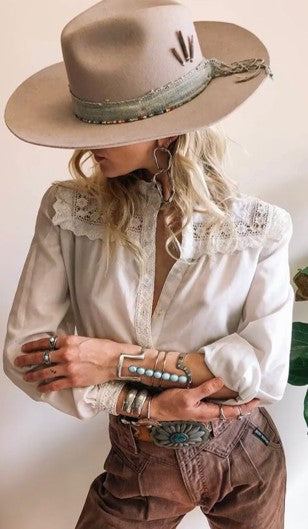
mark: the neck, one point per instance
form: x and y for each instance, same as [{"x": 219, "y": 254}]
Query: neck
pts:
[{"x": 162, "y": 178}]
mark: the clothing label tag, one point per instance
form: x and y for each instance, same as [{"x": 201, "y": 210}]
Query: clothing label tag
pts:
[{"x": 261, "y": 436}]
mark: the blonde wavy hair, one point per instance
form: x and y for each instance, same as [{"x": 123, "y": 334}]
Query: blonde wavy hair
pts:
[{"x": 201, "y": 184}]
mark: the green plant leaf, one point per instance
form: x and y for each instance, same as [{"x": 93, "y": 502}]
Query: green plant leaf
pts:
[
  {"x": 301, "y": 271},
  {"x": 298, "y": 372}
]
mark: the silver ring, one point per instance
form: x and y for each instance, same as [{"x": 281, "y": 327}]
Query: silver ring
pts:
[
  {"x": 53, "y": 342},
  {"x": 241, "y": 415},
  {"x": 46, "y": 358},
  {"x": 222, "y": 416}
]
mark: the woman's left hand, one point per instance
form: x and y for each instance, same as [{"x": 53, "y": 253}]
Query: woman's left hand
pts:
[{"x": 77, "y": 361}]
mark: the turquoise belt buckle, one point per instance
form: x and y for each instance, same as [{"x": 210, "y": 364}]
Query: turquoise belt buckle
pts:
[{"x": 181, "y": 434}]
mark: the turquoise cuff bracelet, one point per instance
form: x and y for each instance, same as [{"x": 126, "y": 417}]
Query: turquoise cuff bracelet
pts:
[
  {"x": 154, "y": 374},
  {"x": 120, "y": 366},
  {"x": 164, "y": 375}
]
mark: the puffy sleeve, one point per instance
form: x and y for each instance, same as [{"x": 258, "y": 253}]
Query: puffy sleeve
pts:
[
  {"x": 254, "y": 361},
  {"x": 41, "y": 308}
]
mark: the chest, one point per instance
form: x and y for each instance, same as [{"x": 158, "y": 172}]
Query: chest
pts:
[
  {"x": 177, "y": 303},
  {"x": 163, "y": 261}
]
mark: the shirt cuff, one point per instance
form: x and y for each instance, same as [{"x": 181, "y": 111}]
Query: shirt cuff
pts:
[
  {"x": 241, "y": 371},
  {"x": 101, "y": 397}
]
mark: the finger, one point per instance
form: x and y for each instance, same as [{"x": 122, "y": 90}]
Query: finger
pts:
[
  {"x": 206, "y": 411},
  {"x": 235, "y": 411},
  {"x": 248, "y": 406},
  {"x": 205, "y": 389},
  {"x": 42, "y": 343},
  {"x": 31, "y": 359},
  {"x": 42, "y": 374},
  {"x": 56, "y": 385}
]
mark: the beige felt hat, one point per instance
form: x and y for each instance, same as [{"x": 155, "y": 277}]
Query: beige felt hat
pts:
[{"x": 137, "y": 70}]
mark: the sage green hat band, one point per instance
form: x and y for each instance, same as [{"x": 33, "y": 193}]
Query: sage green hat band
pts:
[{"x": 167, "y": 97}]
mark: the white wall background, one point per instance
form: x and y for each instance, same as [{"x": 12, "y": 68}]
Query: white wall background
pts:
[{"x": 49, "y": 459}]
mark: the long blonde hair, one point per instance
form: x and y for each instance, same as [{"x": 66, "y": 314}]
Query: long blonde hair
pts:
[{"x": 201, "y": 184}]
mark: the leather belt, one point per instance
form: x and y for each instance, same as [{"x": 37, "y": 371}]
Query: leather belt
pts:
[{"x": 172, "y": 434}]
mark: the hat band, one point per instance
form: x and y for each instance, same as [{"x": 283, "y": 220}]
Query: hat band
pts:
[{"x": 167, "y": 97}]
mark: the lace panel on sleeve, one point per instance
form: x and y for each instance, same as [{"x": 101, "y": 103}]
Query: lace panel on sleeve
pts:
[{"x": 108, "y": 394}]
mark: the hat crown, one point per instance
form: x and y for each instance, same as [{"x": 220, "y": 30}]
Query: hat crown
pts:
[{"x": 112, "y": 53}]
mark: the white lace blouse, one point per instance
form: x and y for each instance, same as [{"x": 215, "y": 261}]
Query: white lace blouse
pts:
[{"x": 232, "y": 301}]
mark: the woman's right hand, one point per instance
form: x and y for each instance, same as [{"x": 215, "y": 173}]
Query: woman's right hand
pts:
[{"x": 186, "y": 404}]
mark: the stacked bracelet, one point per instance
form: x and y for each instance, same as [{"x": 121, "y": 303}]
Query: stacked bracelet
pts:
[
  {"x": 163, "y": 369},
  {"x": 163, "y": 375},
  {"x": 149, "y": 408},
  {"x": 139, "y": 402},
  {"x": 129, "y": 399},
  {"x": 155, "y": 373},
  {"x": 180, "y": 365},
  {"x": 120, "y": 365},
  {"x": 134, "y": 401}
]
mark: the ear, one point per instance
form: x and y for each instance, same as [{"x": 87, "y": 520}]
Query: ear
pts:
[{"x": 165, "y": 142}]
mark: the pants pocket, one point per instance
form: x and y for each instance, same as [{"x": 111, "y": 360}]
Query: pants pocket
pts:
[
  {"x": 261, "y": 448},
  {"x": 264, "y": 429}
]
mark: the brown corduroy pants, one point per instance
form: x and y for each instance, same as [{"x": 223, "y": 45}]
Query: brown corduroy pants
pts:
[{"x": 237, "y": 478}]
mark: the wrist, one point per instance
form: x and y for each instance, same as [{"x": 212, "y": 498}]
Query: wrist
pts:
[
  {"x": 119, "y": 349},
  {"x": 132, "y": 394},
  {"x": 133, "y": 369},
  {"x": 154, "y": 409}
]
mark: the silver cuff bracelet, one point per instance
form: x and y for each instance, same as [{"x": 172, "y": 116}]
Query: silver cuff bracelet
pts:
[{"x": 139, "y": 401}]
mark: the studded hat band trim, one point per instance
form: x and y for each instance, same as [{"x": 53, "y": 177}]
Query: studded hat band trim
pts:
[{"x": 167, "y": 97}]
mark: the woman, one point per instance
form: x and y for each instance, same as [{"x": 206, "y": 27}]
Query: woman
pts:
[{"x": 176, "y": 283}]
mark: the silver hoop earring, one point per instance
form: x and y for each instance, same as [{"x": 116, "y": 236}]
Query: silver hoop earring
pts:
[{"x": 162, "y": 170}]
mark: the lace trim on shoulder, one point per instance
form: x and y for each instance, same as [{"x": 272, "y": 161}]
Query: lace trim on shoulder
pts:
[
  {"x": 78, "y": 212},
  {"x": 251, "y": 222},
  {"x": 281, "y": 224}
]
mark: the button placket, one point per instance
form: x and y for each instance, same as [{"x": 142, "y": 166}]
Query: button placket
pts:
[
  {"x": 148, "y": 327},
  {"x": 145, "y": 292},
  {"x": 173, "y": 281},
  {"x": 169, "y": 289}
]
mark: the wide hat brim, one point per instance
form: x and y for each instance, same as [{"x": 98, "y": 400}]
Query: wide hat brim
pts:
[{"x": 40, "y": 110}]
